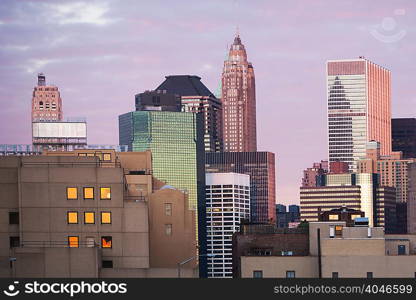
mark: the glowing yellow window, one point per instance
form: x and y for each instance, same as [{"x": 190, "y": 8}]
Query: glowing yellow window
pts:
[
  {"x": 88, "y": 193},
  {"x": 353, "y": 217},
  {"x": 105, "y": 193},
  {"x": 72, "y": 217},
  {"x": 107, "y": 156},
  {"x": 73, "y": 241},
  {"x": 90, "y": 154},
  {"x": 106, "y": 242},
  {"x": 105, "y": 217},
  {"x": 71, "y": 193},
  {"x": 333, "y": 217},
  {"x": 82, "y": 154},
  {"x": 89, "y": 217}
]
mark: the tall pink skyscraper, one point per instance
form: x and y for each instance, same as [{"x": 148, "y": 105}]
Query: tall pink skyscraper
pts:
[
  {"x": 46, "y": 102},
  {"x": 359, "y": 100},
  {"x": 238, "y": 101}
]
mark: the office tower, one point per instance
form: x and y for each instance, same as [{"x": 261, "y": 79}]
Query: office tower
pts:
[
  {"x": 280, "y": 208},
  {"x": 355, "y": 191},
  {"x": 238, "y": 101},
  {"x": 158, "y": 100},
  {"x": 309, "y": 175},
  {"x": 392, "y": 169},
  {"x": 228, "y": 204},
  {"x": 404, "y": 136},
  {"x": 411, "y": 202},
  {"x": 46, "y": 102},
  {"x": 359, "y": 99},
  {"x": 261, "y": 168},
  {"x": 176, "y": 142},
  {"x": 293, "y": 208},
  {"x": 74, "y": 216},
  {"x": 197, "y": 98}
]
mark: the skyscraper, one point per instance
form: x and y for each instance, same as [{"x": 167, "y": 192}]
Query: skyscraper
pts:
[
  {"x": 176, "y": 142},
  {"x": 359, "y": 97},
  {"x": 238, "y": 101},
  {"x": 228, "y": 203},
  {"x": 404, "y": 136},
  {"x": 197, "y": 98},
  {"x": 46, "y": 101},
  {"x": 261, "y": 168},
  {"x": 309, "y": 175}
]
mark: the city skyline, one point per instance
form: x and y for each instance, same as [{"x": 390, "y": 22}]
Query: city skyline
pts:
[{"x": 101, "y": 78}]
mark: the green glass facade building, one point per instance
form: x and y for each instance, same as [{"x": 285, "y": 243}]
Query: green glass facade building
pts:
[{"x": 176, "y": 140}]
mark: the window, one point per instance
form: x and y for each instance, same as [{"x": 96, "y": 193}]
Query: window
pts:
[
  {"x": 107, "y": 263},
  {"x": 401, "y": 249},
  {"x": 168, "y": 229},
  {"x": 71, "y": 193},
  {"x": 334, "y": 274},
  {"x": 99, "y": 154},
  {"x": 105, "y": 193},
  {"x": 333, "y": 217},
  {"x": 72, "y": 217},
  {"x": 168, "y": 209},
  {"x": 13, "y": 217},
  {"x": 105, "y": 217},
  {"x": 353, "y": 217},
  {"x": 338, "y": 230},
  {"x": 290, "y": 274},
  {"x": 369, "y": 274},
  {"x": 107, "y": 156},
  {"x": 14, "y": 241},
  {"x": 106, "y": 242},
  {"x": 89, "y": 217},
  {"x": 73, "y": 241},
  {"x": 88, "y": 193},
  {"x": 257, "y": 274}
]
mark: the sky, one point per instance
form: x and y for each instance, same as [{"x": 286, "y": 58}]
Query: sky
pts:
[{"x": 101, "y": 53}]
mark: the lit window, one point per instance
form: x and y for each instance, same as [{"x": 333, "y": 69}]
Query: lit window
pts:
[
  {"x": 106, "y": 242},
  {"x": 353, "y": 217},
  {"x": 338, "y": 230},
  {"x": 72, "y": 217},
  {"x": 333, "y": 217},
  {"x": 168, "y": 209},
  {"x": 82, "y": 154},
  {"x": 71, "y": 193},
  {"x": 107, "y": 157},
  {"x": 73, "y": 241},
  {"x": 89, "y": 217},
  {"x": 105, "y": 193},
  {"x": 168, "y": 229},
  {"x": 88, "y": 193},
  {"x": 105, "y": 217}
]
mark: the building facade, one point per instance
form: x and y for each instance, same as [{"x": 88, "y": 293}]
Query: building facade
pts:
[
  {"x": 309, "y": 175},
  {"x": 197, "y": 98},
  {"x": 392, "y": 169},
  {"x": 158, "y": 100},
  {"x": 354, "y": 191},
  {"x": 228, "y": 204},
  {"x": 342, "y": 252},
  {"x": 238, "y": 101},
  {"x": 70, "y": 215},
  {"x": 359, "y": 101},
  {"x": 404, "y": 136},
  {"x": 260, "y": 166}
]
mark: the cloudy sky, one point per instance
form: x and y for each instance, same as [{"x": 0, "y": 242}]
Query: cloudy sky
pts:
[{"x": 101, "y": 53}]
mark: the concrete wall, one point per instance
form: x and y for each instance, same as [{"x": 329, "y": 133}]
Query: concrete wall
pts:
[{"x": 276, "y": 267}]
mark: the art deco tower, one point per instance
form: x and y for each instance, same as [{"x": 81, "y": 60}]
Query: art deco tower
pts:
[
  {"x": 238, "y": 101},
  {"x": 46, "y": 102}
]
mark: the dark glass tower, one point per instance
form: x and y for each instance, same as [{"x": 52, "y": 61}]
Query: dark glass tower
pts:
[
  {"x": 261, "y": 168},
  {"x": 404, "y": 136}
]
